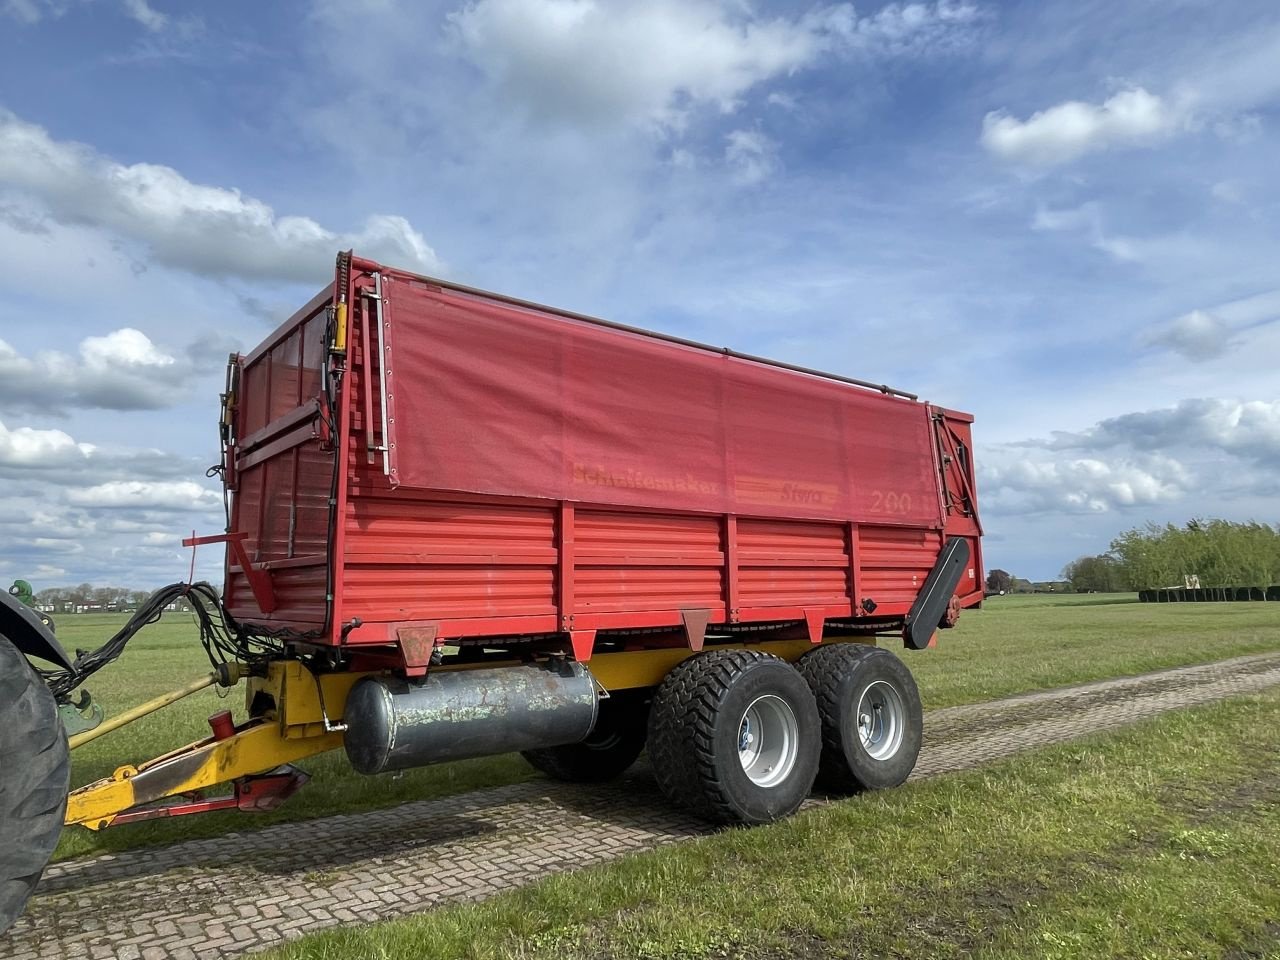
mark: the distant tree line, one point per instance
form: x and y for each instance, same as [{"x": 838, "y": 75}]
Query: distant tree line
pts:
[
  {"x": 1001, "y": 581},
  {"x": 88, "y": 597},
  {"x": 1219, "y": 553}
]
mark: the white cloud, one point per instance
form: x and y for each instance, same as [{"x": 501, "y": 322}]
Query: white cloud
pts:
[
  {"x": 1246, "y": 429},
  {"x": 93, "y": 506},
  {"x": 147, "y": 495},
  {"x": 1070, "y": 130},
  {"x": 1088, "y": 220},
  {"x": 751, "y": 156},
  {"x": 123, "y": 370},
  {"x": 1023, "y": 484},
  {"x": 1196, "y": 335},
  {"x": 53, "y": 458},
  {"x": 27, "y": 447},
  {"x": 25, "y": 11},
  {"x": 916, "y": 27},
  {"x": 1228, "y": 191},
  {"x": 653, "y": 61},
  {"x": 1205, "y": 451},
  {"x": 207, "y": 230},
  {"x": 146, "y": 15},
  {"x": 1084, "y": 217}
]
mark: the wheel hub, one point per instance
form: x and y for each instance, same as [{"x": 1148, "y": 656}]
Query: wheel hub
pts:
[
  {"x": 881, "y": 720},
  {"x": 768, "y": 741}
]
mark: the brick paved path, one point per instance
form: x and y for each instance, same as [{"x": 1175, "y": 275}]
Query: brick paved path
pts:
[{"x": 237, "y": 893}]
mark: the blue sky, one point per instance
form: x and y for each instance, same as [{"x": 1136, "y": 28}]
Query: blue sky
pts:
[{"x": 1059, "y": 216}]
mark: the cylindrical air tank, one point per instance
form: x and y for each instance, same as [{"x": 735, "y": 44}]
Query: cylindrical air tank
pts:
[{"x": 394, "y": 724}]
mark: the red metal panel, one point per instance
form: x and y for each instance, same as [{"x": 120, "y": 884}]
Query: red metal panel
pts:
[
  {"x": 402, "y": 591},
  {"x": 299, "y": 594},
  {"x": 281, "y": 502},
  {"x": 311, "y": 507},
  {"x": 784, "y": 562},
  {"x": 646, "y": 561},
  {"x": 601, "y": 536},
  {"x": 286, "y": 379},
  {"x": 894, "y": 562},
  {"x": 410, "y": 558}
]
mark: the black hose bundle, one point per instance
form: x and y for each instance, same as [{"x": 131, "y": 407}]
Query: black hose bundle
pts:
[{"x": 221, "y": 636}]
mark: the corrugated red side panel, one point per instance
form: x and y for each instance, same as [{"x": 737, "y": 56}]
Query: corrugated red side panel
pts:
[
  {"x": 646, "y": 561},
  {"x": 894, "y": 562}
]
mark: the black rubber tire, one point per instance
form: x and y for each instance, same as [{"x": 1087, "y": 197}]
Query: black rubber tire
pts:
[
  {"x": 35, "y": 771},
  {"x": 838, "y": 674},
  {"x": 612, "y": 746},
  {"x": 694, "y": 726}
]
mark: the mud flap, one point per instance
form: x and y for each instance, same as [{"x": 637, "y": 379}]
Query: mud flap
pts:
[
  {"x": 28, "y": 633},
  {"x": 931, "y": 603}
]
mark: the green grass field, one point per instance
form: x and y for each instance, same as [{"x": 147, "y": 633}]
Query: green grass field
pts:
[
  {"x": 1016, "y": 644},
  {"x": 1159, "y": 842}
]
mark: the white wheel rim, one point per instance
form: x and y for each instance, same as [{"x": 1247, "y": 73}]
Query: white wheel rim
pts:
[
  {"x": 881, "y": 718},
  {"x": 768, "y": 741}
]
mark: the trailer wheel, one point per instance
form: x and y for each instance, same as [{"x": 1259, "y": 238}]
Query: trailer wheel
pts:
[
  {"x": 872, "y": 721},
  {"x": 612, "y": 746},
  {"x": 35, "y": 772},
  {"x": 734, "y": 737}
]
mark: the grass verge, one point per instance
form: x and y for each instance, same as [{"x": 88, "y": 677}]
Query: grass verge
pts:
[
  {"x": 1159, "y": 842},
  {"x": 1015, "y": 644}
]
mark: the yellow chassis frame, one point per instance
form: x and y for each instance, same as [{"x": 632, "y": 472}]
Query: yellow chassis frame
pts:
[{"x": 302, "y": 723}]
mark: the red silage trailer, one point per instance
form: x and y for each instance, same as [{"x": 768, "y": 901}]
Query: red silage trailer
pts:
[
  {"x": 428, "y": 478},
  {"x": 463, "y": 524},
  {"x": 514, "y": 471}
]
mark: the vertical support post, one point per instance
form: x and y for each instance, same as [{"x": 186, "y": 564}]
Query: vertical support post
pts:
[
  {"x": 384, "y": 370},
  {"x": 732, "y": 589},
  {"x": 851, "y": 544},
  {"x": 365, "y": 368},
  {"x": 564, "y": 568}
]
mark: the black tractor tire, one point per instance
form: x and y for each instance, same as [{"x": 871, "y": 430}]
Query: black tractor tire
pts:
[
  {"x": 35, "y": 772},
  {"x": 613, "y": 745},
  {"x": 698, "y": 725},
  {"x": 879, "y": 750}
]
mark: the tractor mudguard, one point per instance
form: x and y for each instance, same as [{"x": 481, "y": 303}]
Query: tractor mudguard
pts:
[
  {"x": 931, "y": 603},
  {"x": 22, "y": 626}
]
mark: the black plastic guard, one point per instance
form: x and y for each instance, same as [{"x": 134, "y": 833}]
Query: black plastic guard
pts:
[
  {"x": 939, "y": 586},
  {"x": 22, "y": 627}
]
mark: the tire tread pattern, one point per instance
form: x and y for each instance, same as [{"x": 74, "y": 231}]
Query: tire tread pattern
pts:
[
  {"x": 35, "y": 772},
  {"x": 682, "y": 730},
  {"x": 828, "y": 670}
]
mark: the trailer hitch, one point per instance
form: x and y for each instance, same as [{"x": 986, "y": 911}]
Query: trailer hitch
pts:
[{"x": 256, "y": 794}]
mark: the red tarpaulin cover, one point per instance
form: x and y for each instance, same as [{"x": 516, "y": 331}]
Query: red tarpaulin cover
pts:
[{"x": 489, "y": 397}]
